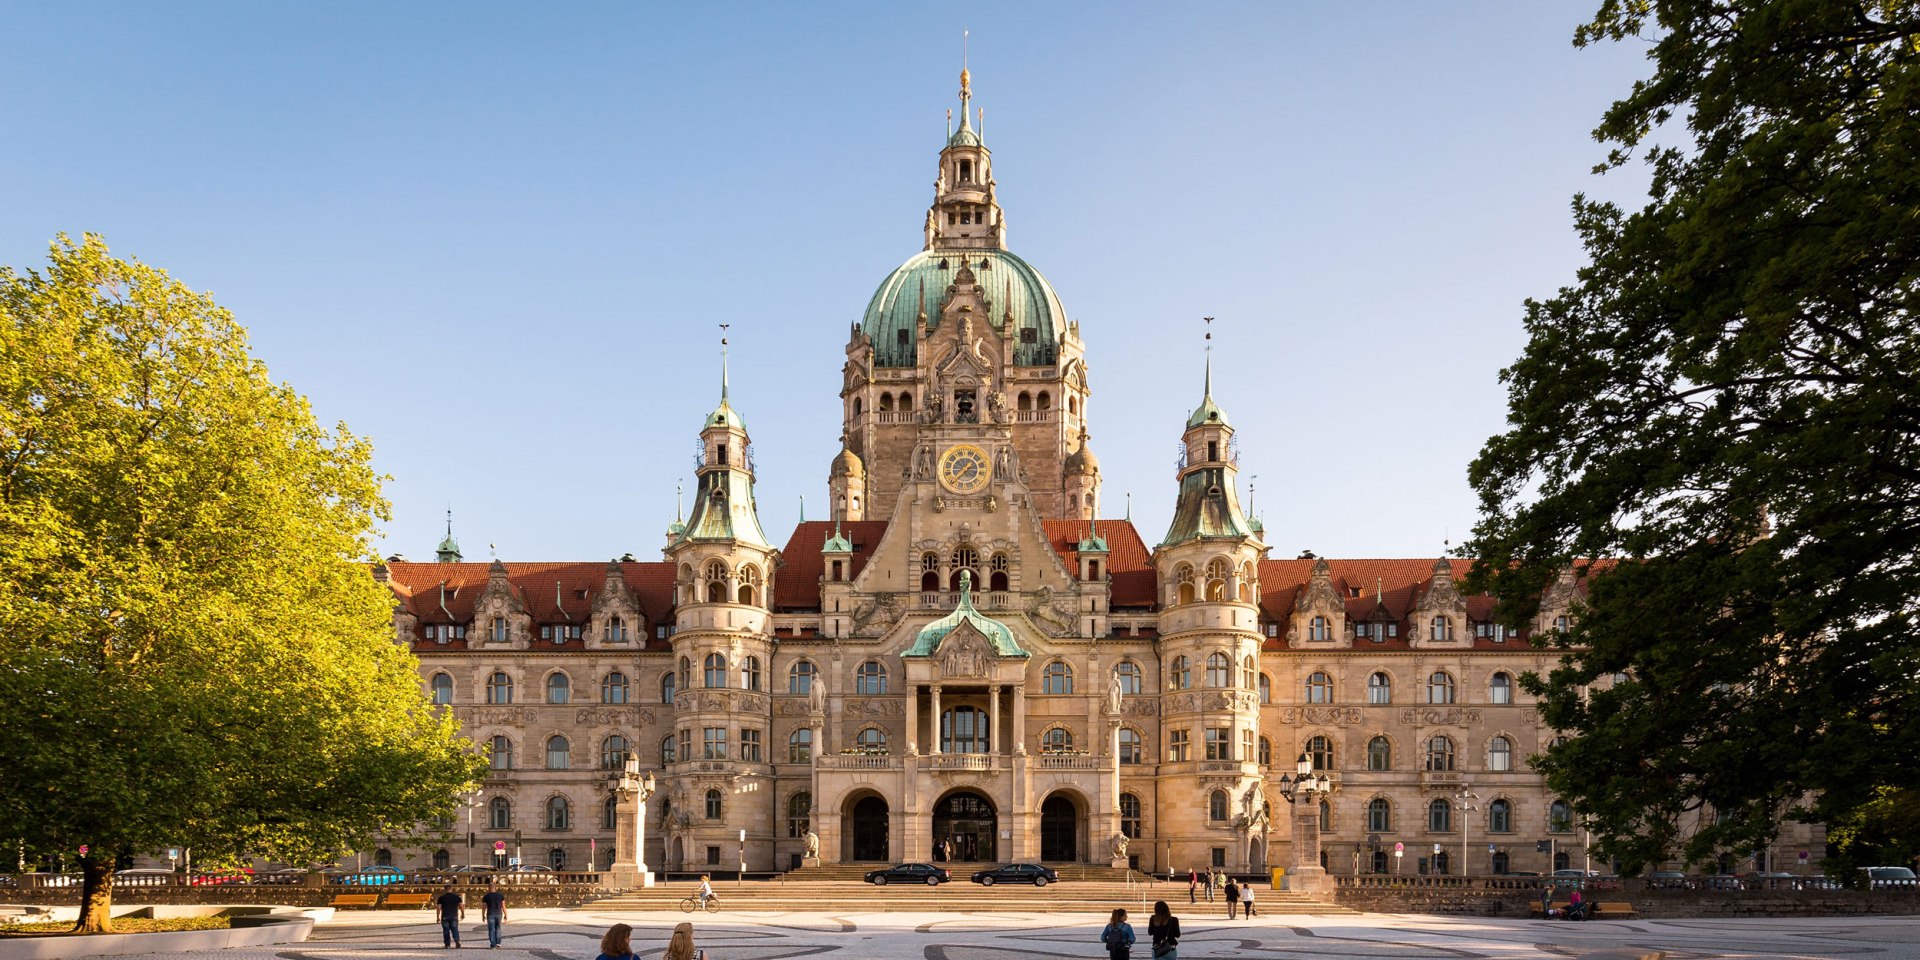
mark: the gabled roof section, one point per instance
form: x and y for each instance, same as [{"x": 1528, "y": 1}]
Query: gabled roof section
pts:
[
  {"x": 797, "y": 588},
  {"x": 1373, "y": 590},
  {"x": 1129, "y": 562},
  {"x": 418, "y": 589}
]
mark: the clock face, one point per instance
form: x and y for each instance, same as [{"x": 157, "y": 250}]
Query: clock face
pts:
[{"x": 964, "y": 469}]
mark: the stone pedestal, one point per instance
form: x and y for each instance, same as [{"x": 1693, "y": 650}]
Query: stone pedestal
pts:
[
  {"x": 1119, "y": 863},
  {"x": 1311, "y": 881},
  {"x": 810, "y": 862}
]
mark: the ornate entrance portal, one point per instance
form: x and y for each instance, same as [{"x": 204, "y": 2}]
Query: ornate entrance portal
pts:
[
  {"x": 1059, "y": 830},
  {"x": 869, "y": 834},
  {"x": 966, "y": 822}
]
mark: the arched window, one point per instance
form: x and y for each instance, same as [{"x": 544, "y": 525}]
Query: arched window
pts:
[
  {"x": 1130, "y": 745},
  {"x": 1024, "y": 402},
  {"x": 714, "y": 809},
  {"x": 667, "y": 687},
  {"x": 499, "y": 688},
  {"x": 1247, "y": 581},
  {"x": 799, "y": 814},
  {"x": 558, "y": 814},
  {"x": 686, "y": 674},
  {"x": 749, "y": 585},
  {"x": 1217, "y": 806},
  {"x": 714, "y": 673},
  {"x": 613, "y": 687},
  {"x": 716, "y": 582},
  {"x": 1181, "y": 672},
  {"x": 965, "y": 730},
  {"x": 1440, "y": 687},
  {"x": 502, "y": 753},
  {"x": 1057, "y": 740},
  {"x": 1379, "y": 815},
  {"x": 613, "y": 752},
  {"x": 871, "y": 740},
  {"x": 442, "y": 689},
  {"x": 906, "y": 402},
  {"x": 1559, "y": 817},
  {"x": 1326, "y": 817},
  {"x": 557, "y": 752},
  {"x": 1500, "y": 817},
  {"x": 886, "y": 403},
  {"x": 668, "y": 753},
  {"x": 1319, "y": 688},
  {"x": 871, "y": 678},
  {"x": 1044, "y": 401},
  {"x": 1183, "y": 578},
  {"x": 1130, "y": 816},
  {"x": 1379, "y": 689},
  {"x": 1128, "y": 673},
  {"x": 965, "y": 558},
  {"x": 1058, "y": 678},
  {"x": 610, "y": 813},
  {"x": 1379, "y": 754},
  {"x": 1500, "y": 755},
  {"x": 1266, "y": 689},
  {"x": 1249, "y": 674},
  {"x": 1440, "y": 753},
  {"x": 800, "y": 677},
  {"x": 1217, "y": 579},
  {"x": 929, "y": 572},
  {"x": 559, "y": 688},
  {"x": 442, "y": 860},
  {"x": 750, "y": 673},
  {"x": 800, "y": 746},
  {"x": 1500, "y": 688},
  {"x": 1320, "y": 751},
  {"x": 1319, "y": 628},
  {"x": 1439, "y": 815},
  {"x": 1219, "y": 670},
  {"x": 1266, "y": 752},
  {"x": 499, "y": 814},
  {"x": 997, "y": 571}
]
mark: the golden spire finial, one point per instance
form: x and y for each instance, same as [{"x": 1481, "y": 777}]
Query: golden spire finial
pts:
[{"x": 966, "y": 78}]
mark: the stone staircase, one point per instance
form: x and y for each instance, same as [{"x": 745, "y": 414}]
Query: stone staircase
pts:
[{"x": 838, "y": 888}]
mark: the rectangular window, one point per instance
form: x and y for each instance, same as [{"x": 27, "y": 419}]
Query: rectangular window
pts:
[
  {"x": 459, "y": 631},
  {"x": 1219, "y": 743},
  {"x": 1219, "y": 856},
  {"x": 1177, "y": 746},
  {"x": 750, "y": 746},
  {"x": 713, "y": 856},
  {"x": 1246, "y": 744},
  {"x": 686, "y": 743},
  {"x": 1029, "y": 335},
  {"x": 546, "y": 631},
  {"x": 715, "y": 743}
]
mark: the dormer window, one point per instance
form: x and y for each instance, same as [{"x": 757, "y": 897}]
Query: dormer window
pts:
[{"x": 966, "y": 171}]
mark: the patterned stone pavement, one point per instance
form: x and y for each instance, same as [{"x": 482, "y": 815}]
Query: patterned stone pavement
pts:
[{"x": 554, "y": 934}]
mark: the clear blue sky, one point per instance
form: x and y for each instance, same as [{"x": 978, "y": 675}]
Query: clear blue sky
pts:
[{"x": 497, "y": 238}]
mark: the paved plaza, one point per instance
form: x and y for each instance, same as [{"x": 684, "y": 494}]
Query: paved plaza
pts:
[{"x": 567, "y": 934}]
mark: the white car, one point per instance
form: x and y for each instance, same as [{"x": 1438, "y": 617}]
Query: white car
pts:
[{"x": 1882, "y": 878}]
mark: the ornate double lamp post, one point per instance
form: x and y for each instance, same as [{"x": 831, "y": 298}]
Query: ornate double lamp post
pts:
[{"x": 1305, "y": 793}]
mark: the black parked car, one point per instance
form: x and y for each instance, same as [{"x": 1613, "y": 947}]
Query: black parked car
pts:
[
  {"x": 925, "y": 873},
  {"x": 1032, "y": 873}
]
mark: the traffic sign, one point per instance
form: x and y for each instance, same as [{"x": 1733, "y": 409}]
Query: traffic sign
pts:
[
  {"x": 499, "y": 846},
  {"x": 1803, "y": 856},
  {"x": 1493, "y": 848},
  {"x": 513, "y": 861},
  {"x": 1399, "y": 848}
]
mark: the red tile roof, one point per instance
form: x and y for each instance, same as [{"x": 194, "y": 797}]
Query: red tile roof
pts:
[
  {"x": 797, "y": 586},
  {"x": 1129, "y": 562},
  {"x": 419, "y": 589}
]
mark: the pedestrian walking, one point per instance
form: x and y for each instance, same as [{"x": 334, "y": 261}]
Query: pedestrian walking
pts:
[
  {"x": 618, "y": 943},
  {"x": 1118, "y": 936},
  {"x": 1193, "y": 885},
  {"x": 1163, "y": 931},
  {"x": 1233, "y": 896},
  {"x": 1546, "y": 901},
  {"x": 680, "y": 947},
  {"x": 1246, "y": 900},
  {"x": 452, "y": 908},
  {"x": 493, "y": 906}
]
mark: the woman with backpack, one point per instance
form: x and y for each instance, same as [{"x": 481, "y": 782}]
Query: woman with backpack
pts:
[
  {"x": 1163, "y": 930},
  {"x": 1118, "y": 936}
]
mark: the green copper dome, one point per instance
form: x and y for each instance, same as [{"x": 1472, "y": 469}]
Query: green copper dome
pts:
[
  {"x": 1207, "y": 412},
  {"x": 997, "y": 633},
  {"x": 895, "y": 307}
]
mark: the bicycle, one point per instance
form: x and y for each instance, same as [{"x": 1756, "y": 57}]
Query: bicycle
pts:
[{"x": 691, "y": 904}]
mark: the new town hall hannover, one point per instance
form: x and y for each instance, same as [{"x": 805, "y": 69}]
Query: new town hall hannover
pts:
[{"x": 967, "y": 658}]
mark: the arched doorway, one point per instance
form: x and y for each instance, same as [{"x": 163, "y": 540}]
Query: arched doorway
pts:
[
  {"x": 966, "y": 823},
  {"x": 1059, "y": 830},
  {"x": 867, "y": 838},
  {"x": 1257, "y": 854}
]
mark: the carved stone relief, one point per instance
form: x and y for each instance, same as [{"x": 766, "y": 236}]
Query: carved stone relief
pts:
[{"x": 1453, "y": 716}]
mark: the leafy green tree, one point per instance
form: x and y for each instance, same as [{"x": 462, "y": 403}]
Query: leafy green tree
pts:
[
  {"x": 1726, "y": 402},
  {"x": 192, "y": 650}
]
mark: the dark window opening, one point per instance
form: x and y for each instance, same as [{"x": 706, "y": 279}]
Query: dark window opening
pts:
[
  {"x": 1213, "y": 449},
  {"x": 720, "y": 454},
  {"x": 1029, "y": 335}
]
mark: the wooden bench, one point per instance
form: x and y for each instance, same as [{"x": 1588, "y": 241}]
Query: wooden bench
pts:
[
  {"x": 1533, "y": 908},
  {"x": 355, "y": 900},
  {"x": 408, "y": 900},
  {"x": 1614, "y": 911}
]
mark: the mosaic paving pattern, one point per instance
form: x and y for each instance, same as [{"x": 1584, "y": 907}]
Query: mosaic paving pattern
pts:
[{"x": 741, "y": 935}]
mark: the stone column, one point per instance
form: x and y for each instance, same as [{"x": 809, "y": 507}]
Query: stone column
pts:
[
  {"x": 933, "y": 747},
  {"x": 1019, "y": 732},
  {"x": 1304, "y": 873},
  {"x": 913, "y": 719},
  {"x": 997, "y": 722}
]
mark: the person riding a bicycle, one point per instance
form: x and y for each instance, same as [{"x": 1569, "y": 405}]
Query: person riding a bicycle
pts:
[{"x": 705, "y": 892}]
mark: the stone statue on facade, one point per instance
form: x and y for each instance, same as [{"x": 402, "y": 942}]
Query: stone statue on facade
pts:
[
  {"x": 1119, "y": 846},
  {"x": 1114, "y": 693},
  {"x": 817, "y": 697},
  {"x": 813, "y": 845}
]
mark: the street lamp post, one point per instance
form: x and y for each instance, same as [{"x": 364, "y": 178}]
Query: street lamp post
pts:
[
  {"x": 1305, "y": 794},
  {"x": 1466, "y": 798},
  {"x": 743, "y": 856}
]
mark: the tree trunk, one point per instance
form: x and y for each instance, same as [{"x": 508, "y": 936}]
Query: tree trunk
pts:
[{"x": 96, "y": 895}]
